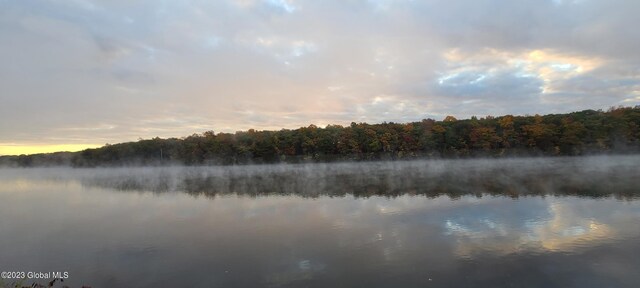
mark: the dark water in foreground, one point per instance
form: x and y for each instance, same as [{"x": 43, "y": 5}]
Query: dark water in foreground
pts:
[{"x": 561, "y": 222}]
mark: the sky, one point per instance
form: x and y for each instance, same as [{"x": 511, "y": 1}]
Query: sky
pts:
[{"x": 81, "y": 73}]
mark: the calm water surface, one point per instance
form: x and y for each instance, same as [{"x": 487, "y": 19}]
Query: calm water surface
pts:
[{"x": 560, "y": 222}]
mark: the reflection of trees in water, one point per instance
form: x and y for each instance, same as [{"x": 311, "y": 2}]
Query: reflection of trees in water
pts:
[{"x": 513, "y": 178}]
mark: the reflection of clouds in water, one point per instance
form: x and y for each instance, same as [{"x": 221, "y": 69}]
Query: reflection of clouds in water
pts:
[
  {"x": 567, "y": 230},
  {"x": 129, "y": 216},
  {"x": 560, "y": 227}
]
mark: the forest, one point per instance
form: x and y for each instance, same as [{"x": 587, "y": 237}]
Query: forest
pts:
[{"x": 616, "y": 130}]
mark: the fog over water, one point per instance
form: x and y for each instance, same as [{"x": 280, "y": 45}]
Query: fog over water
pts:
[
  {"x": 526, "y": 222},
  {"x": 586, "y": 176}
]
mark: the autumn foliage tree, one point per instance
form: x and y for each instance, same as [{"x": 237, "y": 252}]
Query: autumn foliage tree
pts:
[{"x": 589, "y": 131}]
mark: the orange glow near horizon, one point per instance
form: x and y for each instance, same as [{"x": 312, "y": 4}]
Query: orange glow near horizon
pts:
[{"x": 17, "y": 149}]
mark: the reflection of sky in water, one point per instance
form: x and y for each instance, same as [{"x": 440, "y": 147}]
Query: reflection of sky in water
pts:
[
  {"x": 552, "y": 224},
  {"x": 112, "y": 238}
]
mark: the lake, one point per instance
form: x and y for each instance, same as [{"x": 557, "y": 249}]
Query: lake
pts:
[{"x": 529, "y": 222}]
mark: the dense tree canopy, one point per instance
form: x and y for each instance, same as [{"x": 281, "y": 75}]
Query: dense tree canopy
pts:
[{"x": 589, "y": 131}]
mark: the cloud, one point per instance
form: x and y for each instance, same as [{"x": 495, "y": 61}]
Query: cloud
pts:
[{"x": 239, "y": 64}]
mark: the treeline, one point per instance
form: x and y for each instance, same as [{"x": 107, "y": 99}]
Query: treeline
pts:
[{"x": 577, "y": 133}]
